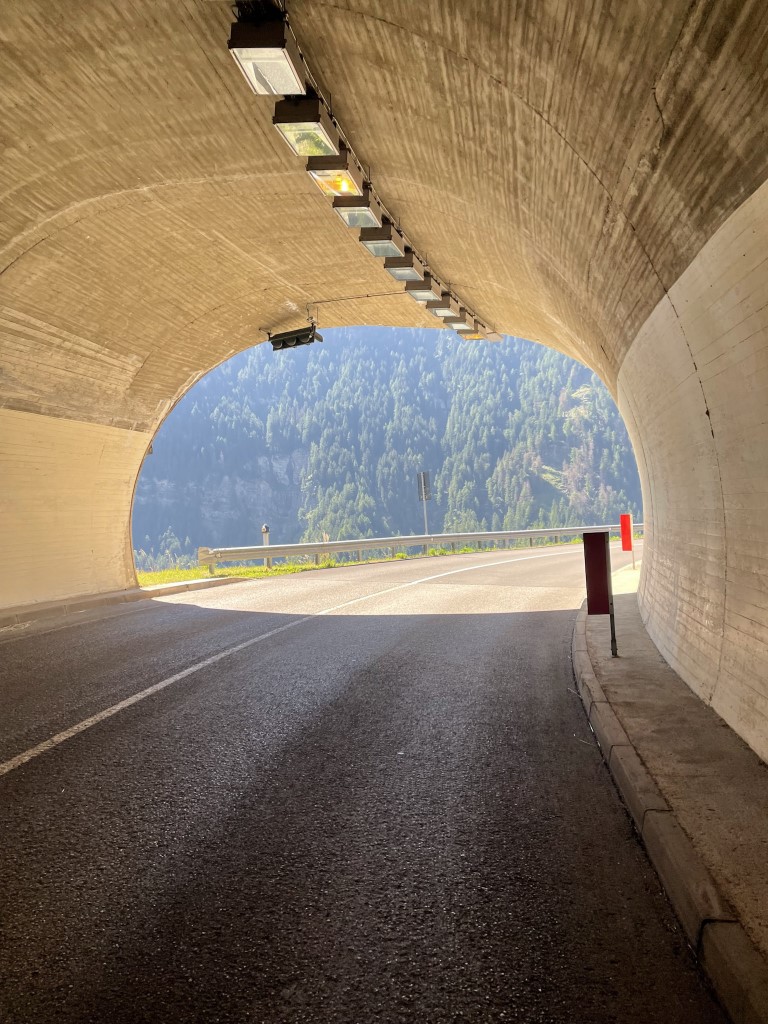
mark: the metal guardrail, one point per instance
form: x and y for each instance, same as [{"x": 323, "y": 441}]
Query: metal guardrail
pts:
[{"x": 214, "y": 556}]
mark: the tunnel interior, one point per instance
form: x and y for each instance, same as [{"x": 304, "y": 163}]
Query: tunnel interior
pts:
[{"x": 594, "y": 180}]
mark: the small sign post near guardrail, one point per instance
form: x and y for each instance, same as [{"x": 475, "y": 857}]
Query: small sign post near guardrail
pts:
[
  {"x": 425, "y": 495},
  {"x": 597, "y": 565}
]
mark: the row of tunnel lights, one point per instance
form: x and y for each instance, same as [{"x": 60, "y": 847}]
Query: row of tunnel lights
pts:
[{"x": 267, "y": 53}]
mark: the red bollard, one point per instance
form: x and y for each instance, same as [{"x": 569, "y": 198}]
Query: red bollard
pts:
[{"x": 626, "y": 535}]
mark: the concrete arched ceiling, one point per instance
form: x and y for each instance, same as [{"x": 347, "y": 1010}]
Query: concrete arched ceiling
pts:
[{"x": 590, "y": 175}]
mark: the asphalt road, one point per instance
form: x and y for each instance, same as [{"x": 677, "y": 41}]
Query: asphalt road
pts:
[{"x": 384, "y": 804}]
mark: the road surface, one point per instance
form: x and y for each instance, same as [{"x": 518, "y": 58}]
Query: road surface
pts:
[{"x": 366, "y": 794}]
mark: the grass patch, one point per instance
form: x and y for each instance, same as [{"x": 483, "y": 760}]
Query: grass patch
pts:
[{"x": 151, "y": 579}]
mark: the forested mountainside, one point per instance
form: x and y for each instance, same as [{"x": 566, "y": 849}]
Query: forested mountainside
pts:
[{"x": 329, "y": 438}]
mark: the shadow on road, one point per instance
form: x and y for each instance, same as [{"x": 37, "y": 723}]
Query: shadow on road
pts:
[{"x": 366, "y": 818}]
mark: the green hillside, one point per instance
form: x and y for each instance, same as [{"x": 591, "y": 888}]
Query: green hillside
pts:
[{"x": 329, "y": 439}]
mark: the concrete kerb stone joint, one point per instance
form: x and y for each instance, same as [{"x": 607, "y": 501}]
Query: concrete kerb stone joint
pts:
[{"x": 735, "y": 968}]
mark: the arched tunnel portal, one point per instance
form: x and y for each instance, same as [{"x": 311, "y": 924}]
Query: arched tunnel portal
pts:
[{"x": 590, "y": 176}]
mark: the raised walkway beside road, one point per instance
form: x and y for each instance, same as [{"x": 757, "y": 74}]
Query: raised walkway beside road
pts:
[
  {"x": 697, "y": 793},
  {"x": 10, "y": 617}
]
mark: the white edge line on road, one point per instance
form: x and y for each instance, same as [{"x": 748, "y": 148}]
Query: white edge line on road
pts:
[{"x": 74, "y": 730}]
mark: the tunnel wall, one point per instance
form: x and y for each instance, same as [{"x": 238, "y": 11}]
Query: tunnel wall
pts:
[
  {"x": 65, "y": 507},
  {"x": 693, "y": 389}
]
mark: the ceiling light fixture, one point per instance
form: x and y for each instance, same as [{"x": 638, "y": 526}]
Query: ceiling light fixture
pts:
[
  {"x": 405, "y": 268},
  {"x": 268, "y": 57},
  {"x": 362, "y": 211},
  {"x": 306, "y": 126},
  {"x": 423, "y": 291},
  {"x": 336, "y": 175},
  {"x": 444, "y": 306},
  {"x": 290, "y": 339},
  {"x": 476, "y": 333},
  {"x": 464, "y": 321},
  {"x": 383, "y": 241}
]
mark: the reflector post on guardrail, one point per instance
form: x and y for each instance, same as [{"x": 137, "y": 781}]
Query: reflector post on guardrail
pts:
[{"x": 597, "y": 566}]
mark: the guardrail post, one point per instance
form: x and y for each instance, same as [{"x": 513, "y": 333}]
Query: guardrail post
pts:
[{"x": 317, "y": 559}]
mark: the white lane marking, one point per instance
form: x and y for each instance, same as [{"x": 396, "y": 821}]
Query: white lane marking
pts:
[{"x": 67, "y": 734}]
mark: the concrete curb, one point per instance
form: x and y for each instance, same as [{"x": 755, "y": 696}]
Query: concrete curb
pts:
[
  {"x": 736, "y": 969},
  {"x": 33, "y": 612}
]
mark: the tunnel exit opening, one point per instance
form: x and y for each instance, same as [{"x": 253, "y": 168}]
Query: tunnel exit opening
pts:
[{"x": 328, "y": 441}]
